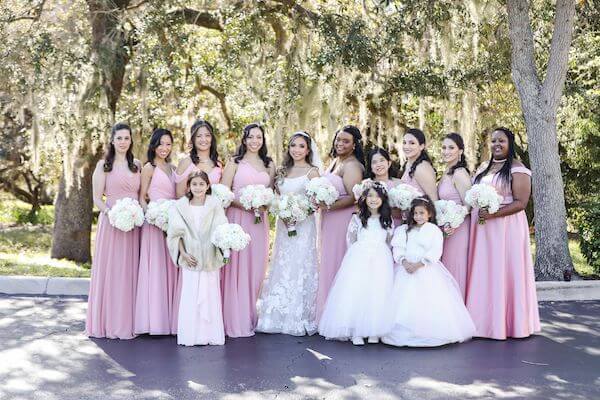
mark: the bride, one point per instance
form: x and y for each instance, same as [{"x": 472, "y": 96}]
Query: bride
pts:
[{"x": 288, "y": 298}]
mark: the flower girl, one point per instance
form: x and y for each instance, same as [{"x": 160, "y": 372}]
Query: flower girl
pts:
[
  {"x": 429, "y": 310},
  {"x": 191, "y": 223},
  {"x": 359, "y": 300}
]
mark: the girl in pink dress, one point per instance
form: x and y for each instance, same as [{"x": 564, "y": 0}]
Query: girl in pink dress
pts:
[
  {"x": 203, "y": 157},
  {"x": 381, "y": 168},
  {"x": 418, "y": 169},
  {"x": 241, "y": 280},
  {"x": 157, "y": 275},
  {"x": 453, "y": 186},
  {"x": 345, "y": 171},
  {"x": 116, "y": 254},
  {"x": 501, "y": 294}
]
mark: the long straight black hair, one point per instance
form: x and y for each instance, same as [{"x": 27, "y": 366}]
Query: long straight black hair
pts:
[
  {"x": 417, "y": 133},
  {"x": 242, "y": 149},
  {"x": 155, "y": 142},
  {"x": 462, "y": 161},
  {"x": 213, "y": 153},
  {"x": 109, "y": 157},
  {"x": 504, "y": 173},
  {"x": 392, "y": 172}
]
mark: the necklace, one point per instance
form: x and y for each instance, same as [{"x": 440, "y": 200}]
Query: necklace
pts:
[
  {"x": 499, "y": 161},
  {"x": 203, "y": 161}
]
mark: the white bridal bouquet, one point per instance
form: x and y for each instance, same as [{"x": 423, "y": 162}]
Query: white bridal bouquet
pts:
[
  {"x": 126, "y": 214},
  {"x": 320, "y": 190},
  {"x": 253, "y": 197},
  {"x": 229, "y": 237},
  {"x": 484, "y": 196},
  {"x": 222, "y": 193},
  {"x": 449, "y": 214},
  {"x": 291, "y": 208},
  {"x": 401, "y": 196},
  {"x": 157, "y": 213}
]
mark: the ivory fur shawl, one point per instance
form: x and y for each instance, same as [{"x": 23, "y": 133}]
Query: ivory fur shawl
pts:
[{"x": 196, "y": 241}]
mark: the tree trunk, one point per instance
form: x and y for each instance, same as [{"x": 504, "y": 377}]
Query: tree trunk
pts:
[
  {"x": 539, "y": 102},
  {"x": 73, "y": 215}
]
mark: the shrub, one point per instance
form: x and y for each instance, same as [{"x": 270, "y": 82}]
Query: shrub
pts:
[{"x": 587, "y": 220}]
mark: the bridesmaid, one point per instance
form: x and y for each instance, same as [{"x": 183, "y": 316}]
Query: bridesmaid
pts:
[
  {"x": 381, "y": 168},
  {"x": 242, "y": 278},
  {"x": 157, "y": 276},
  {"x": 203, "y": 157},
  {"x": 116, "y": 256},
  {"x": 345, "y": 171},
  {"x": 501, "y": 294},
  {"x": 453, "y": 186},
  {"x": 418, "y": 169}
]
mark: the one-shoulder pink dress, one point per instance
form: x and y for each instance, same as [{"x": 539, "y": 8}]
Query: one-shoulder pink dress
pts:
[{"x": 111, "y": 300}]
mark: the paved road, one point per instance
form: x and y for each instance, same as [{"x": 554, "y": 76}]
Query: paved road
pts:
[{"x": 43, "y": 355}]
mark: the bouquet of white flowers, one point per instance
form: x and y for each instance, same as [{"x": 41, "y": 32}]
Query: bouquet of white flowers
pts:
[
  {"x": 484, "y": 196},
  {"x": 449, "y": 214},
  {"x": 157, "y": 213},
  {"x": 222, "y": 193},
  {"x": 253, "y": 197},
  {"x": 320, "y": 190},
  {"x": 126, "y": 214},
  {"x": 401, "y": 196},
  {"x": 229, "y": 237},
  {"x": 291, "y": 208}
]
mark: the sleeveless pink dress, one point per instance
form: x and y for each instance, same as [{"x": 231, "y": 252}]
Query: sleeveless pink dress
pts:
[
  {"x": 334, "y": 225},
  {"x": 214, "y": 176},
  {"x": 397, "y": 219},
  {"x": 157, "y": 275},
  {"x": 242, "y": 278},
  {"x": 409, "y": 180},
  {"x": 501, "y": 293},
  {"x": 111, "y": 300},
  {"x": 456, "y": 246}
]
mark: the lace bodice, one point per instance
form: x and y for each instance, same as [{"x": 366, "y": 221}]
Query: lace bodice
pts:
[
  {"x": 373, "y": 232},
  {"x": 293, "y": 185}
]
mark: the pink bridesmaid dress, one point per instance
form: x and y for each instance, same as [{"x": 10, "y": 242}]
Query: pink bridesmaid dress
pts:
[
  {"x": 242, "y": 278},
  {"x": 501, "y": 296},
  {"x": 397, "y": 219},
  {"x": 456, "y": 246},
  {"x": 111, "y": 300},
  {"x": 157, "y": 276},
  {"x": 214, "y": 176},
  {"x": 409, "y": 180},
  {"x": 334, "y": 225}
]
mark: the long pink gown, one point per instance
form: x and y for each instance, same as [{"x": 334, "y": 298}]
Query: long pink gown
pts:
[
  {"x": 409, "y": 180},
  {"x": 157, "y": 276},
  {"x": 111, "y": 300},
  {"x": 214, "y": 176},
  {"x": 334, "y": 225},
  {"x": 501, "y": 296},
  {"x": 389, "y": 184},
  {"x": 242, "y": 278},
  {"x": 456, "y": 246}
]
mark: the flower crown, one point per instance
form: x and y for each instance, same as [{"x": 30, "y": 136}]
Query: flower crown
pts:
[{"x": 360, "y": 188}]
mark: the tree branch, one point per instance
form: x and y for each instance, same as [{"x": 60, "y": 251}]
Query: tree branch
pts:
[
  {"x": 293, "y": 9},
  {"x": 195, "y": 17},
  {"x": 559, "y": 52},
  {"x": 219, "y": 95},
  {"x": 33, "y": 14}
]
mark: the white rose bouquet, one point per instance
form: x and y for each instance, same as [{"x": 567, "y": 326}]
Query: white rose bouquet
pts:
[
  {"x": 291, "y": 208},
  {"x": 320, "y": 190},
  {"x": 253, "y": 197},
  {"x": 229, "y": 237},
  {"x": 484, "y": 196},
  {"x": 401, "y": 196},
  {"x": 449, "y": 214},
  {"x": 126, "y": 214},
  {"x": 222, "y": 193},
  {"x": 157, "y": 213}
]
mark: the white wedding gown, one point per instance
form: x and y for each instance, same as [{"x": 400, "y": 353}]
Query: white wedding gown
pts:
[{"x": 287, "y": 302}]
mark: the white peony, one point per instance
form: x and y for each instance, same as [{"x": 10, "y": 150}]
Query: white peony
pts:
[
  {"x": 401, "y": 196},
  {"x": 157, "y": 213},
  {"x": 291, "y": 208},
  {"x": 484, "y": 196},
  {"x": 222, "y": 193},
  {"x": 229, "y": 237},
  {"x": 449, "y": 213},
  {"x": 253, "y": 197},
  {"x": 320, "y": 190},
  {"x": 126, "y": 214}
]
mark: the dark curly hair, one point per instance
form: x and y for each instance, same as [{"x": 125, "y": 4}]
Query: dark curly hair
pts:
[
  {"x": 109, "y": 157},
  {"x": 213, "y": 153},
  {"x": 417, "y": 133},
  {"x": 385, "y": 211},
  {"x": 358, "y": 151},
  {"x": 242, "y": 149},
  {"x": 422, "y": 201},
  {"x": 462, "y": 161}
]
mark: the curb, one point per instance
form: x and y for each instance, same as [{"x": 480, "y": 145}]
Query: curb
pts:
[{"x": 30, "y": 285}]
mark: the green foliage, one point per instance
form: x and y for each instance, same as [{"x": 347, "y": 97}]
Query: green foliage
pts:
[
  {"x": 17, "y": 212},
  {"x": 587, "y": 219}
]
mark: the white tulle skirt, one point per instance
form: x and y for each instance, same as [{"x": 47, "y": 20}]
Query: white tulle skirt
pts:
[
  {"x": 358, "y": 304},
  {"x": 429, "y": 309}
]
